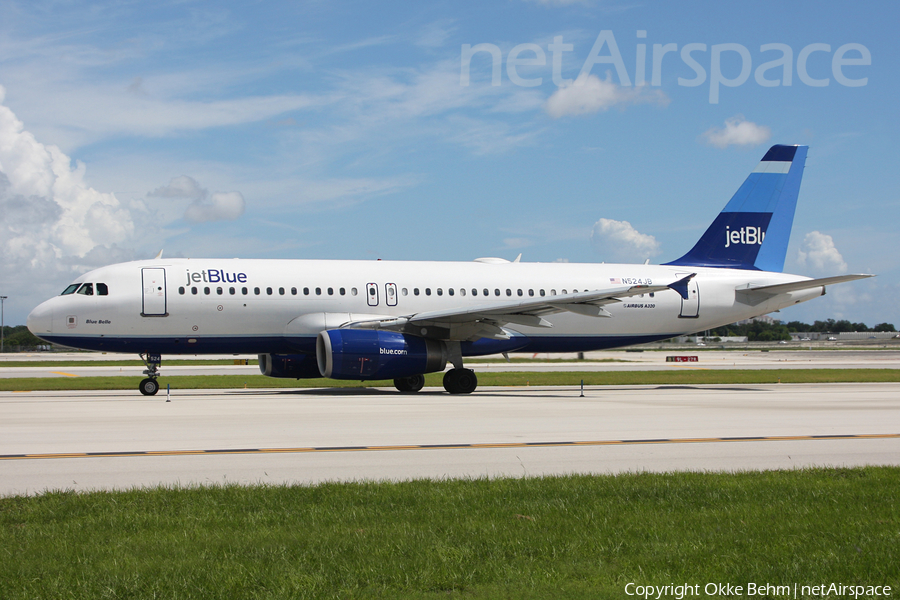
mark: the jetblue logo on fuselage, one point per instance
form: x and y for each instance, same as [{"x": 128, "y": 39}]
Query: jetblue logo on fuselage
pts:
[
  {"x": 744, "y": 235},
  {"x": 215, "y": 276}
]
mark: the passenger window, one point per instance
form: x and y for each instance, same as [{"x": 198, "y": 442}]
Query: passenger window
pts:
[
  {"x": 220, "y": 291},
  {"x": 508, "y": 292},
  {"x": 194, "y": 291},
  {"x": 531, "y": 292},
  {"x": 102, "y": 290},
  {"x": 86, "y": 289},
  {"x": 440, "y": 292},
  {"x": 564, "y": 292},
  {"x": 474, "y": 292},
  {"x": 496, "y": 292},
  {"x": 344, "y": 292},
  {"x": 245, "y": 291},
  {"x": 269, "y": 291},
  {"x": 415, "y": 291},
  {"x": 352, "y": 291},
  {"x": 306, "y": 291},
  {"x": 404, "y": 291},
  {"x": 181, "y": 290},
  {"x": 331, "y": 291},
  {"x": 462, "y": 291},
  {"x": 281, "y": 291},
  {"x": 542, "y": 293},
  {"x": 319, "y": 291},
  {"x": 450, "y": 291},
  {"x": 485, "y": 290},
  {"x": 206, "y": 291},
  {"x": 231, "y": 291},
  {"x": 70, "y": 290},
  {"x": 519, "y": 292},
  {"x": 256, "y": 291},
  {"x": 293, "y": 291},
  {"x": 427, "y": 291},
  {"x": 552, "y": 292}
]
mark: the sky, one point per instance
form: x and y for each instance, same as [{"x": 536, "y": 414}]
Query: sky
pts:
[{"x": 580, "y": 131}]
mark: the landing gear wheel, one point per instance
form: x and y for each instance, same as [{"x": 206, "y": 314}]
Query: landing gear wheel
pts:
[
  {"x": 148, "y": 387},
  {"x": 460, "y": 381},
  {"x": 413, "y": 383}
]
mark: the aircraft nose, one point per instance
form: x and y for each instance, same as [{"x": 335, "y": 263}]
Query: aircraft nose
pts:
[{"x": 40, "y": 321}]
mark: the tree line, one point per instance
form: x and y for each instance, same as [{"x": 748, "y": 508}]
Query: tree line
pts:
[
  {"x": 18, "y": 338},
  {"x": 760, "y": 331}
]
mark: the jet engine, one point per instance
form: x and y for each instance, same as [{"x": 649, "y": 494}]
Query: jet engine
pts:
[
  {"x": 366, "y": 354},
  {"x": 293, "y": 366}
]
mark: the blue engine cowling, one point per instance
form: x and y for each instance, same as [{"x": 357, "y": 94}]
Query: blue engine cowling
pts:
[
  {"x": 366, "y": 354},
  {"x": 293, "y": 366}
]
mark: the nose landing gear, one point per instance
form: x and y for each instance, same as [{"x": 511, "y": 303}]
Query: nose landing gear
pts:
[{"x": 150, "y": 386}]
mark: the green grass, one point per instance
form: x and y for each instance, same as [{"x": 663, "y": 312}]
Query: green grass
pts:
[
  {"x": 671, "y": 377},
  {"x": 556, "y": 537}
]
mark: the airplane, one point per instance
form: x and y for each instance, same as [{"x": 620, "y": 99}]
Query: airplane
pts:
[{"x": 375, "y": 320}]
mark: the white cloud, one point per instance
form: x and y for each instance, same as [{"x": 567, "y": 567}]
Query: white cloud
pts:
[
  {"x": 589, "y": 94},
  {"x": 218, "y": 206},
  {"x": 620, "y": 241},
  {"x": 737, "y": 132},
  {"x": 180, "y": 187},
  {"x": 818, "y": 253},
  {"x": 52, "y": 223}
]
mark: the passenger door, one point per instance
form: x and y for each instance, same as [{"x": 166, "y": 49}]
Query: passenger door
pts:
[
  {"x": 690, "y": 306},
  {"x": 154, "y": 293}
]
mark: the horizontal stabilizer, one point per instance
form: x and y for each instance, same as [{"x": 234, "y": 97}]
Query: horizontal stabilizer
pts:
[{"x": 754, "y": 295}]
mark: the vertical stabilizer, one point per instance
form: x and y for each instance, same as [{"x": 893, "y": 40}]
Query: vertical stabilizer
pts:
[{"x": 753, "y": 230}]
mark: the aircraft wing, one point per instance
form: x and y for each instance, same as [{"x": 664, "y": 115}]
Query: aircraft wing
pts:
[{"x": 488, "y": 318}]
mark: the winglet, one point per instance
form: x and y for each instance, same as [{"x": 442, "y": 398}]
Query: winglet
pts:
[
  {"x": 158, "y": 256},
  {"x": 681, "y": 286}
]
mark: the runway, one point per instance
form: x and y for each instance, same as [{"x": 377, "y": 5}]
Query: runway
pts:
[{"x": 119, "y": 440}]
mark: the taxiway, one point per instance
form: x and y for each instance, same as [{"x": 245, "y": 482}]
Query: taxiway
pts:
[{"x": 118, "y": 440}]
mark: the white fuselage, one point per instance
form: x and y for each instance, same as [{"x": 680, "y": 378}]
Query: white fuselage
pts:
[{"x": 196, "y": 306}]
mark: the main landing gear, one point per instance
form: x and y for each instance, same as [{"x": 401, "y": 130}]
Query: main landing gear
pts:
[
  {"x": 456, "y": 381},
  {"x": 150, "y": 386},
  {"x": 460, "y": 381},
  {"x": 413, "y": 383}
]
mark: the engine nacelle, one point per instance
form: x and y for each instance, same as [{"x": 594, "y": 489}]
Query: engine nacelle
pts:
[
  {"x": 293, "y": 366},
  {"x": 366, "y": 354}
]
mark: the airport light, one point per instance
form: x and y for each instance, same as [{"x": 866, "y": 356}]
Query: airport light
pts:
[{"x": 2, "y": 298}]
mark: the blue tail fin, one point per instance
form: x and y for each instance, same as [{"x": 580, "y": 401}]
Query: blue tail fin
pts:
[{"x": 753, "y": 230}]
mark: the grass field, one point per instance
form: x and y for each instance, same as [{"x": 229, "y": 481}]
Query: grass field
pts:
[
  {"x": 556, "y": 537},
  {"x": 680, "y": 377}
]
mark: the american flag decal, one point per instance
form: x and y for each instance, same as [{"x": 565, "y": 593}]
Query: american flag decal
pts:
[{"x": 615, "y": 280}]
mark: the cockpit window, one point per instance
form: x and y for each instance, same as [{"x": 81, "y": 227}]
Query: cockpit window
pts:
[
  {"x": 102, "y": 290},
  {"x": 71, "y": 289},
  {"x": 87, "y": 289}
]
